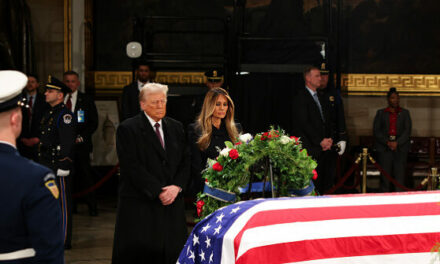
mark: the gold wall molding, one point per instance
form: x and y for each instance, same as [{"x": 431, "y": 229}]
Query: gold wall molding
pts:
[
  {"x": 112, "y": 82},
  {"x": 379, "y": 84}
]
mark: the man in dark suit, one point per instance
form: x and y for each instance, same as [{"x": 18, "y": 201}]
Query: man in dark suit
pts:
[
  {"x": 130, "y": 94},
  {"x": 28, "y": 140},
  {"x": 312, "y": 125},
  {"x": 30, "y": 222},
  {"x": 154, "y": 159},
  {"x": 84, "y": 110}
]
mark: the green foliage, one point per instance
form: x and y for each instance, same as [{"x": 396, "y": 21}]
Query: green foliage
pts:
[{"x": 289, "y": 161}]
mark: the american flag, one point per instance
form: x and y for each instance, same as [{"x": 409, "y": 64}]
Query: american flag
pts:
[{"x": 364, "y": 228}]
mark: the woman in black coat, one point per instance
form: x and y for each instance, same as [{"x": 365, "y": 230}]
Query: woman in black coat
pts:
[
  {"x": 392, "y": 129},
  {"x": 214, "y": 125}
]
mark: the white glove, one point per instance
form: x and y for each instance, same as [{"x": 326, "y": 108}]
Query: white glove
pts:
[
  {"x": 63, "y": 173},
  {"x": 342, "y": 145}
]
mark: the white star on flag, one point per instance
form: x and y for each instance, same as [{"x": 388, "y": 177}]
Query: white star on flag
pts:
[
  {"x": 211, "y": 257},
  {"x": 217, "y": 230},
  {"x": 208, "y": 242},
  {"x": 220, "y": 218},
  {"x": 192, "y": 256},
  {"x": 195, "y": 240},
  {"x": 187, "y": 250},
  {"x": 202, "y": 255},
  {"x": 233, "y": 211},
  {"x": 205, "y": 228}
]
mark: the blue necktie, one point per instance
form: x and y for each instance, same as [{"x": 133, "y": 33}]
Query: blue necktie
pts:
[{"x": 315, "y": 97}]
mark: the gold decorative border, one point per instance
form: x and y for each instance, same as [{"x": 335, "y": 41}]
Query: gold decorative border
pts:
[
  {"x": 112, "y": 82},
  {"x": 67, "y": 35},
  {"x": 379, "y": 84}
]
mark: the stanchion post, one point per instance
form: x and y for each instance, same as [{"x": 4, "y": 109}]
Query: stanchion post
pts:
[
  {"x": 364, "y": 169},
  {"x": 432, "y": 182}
]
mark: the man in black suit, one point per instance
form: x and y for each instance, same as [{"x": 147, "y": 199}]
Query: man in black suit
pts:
[
  {"x": 28, "y": 140},
  {"x": 312, "y": 125},
  {"x": 154, "y": 159},
  {"x": 130, "y": 94},
  {"x": 85, "y": 112}
]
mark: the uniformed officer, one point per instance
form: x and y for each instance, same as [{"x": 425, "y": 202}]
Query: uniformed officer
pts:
[
  {"x": 337, "y": 122},
  {"x": 30, "y": 214},
  {"x": 57, "y": 139},
  {"x": 214, "y": 78}
]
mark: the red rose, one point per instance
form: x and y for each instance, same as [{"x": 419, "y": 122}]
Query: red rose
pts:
[
  {"x": 217, "y": 167},
  {"x": 206, "y": 180},
  {"x": 233, "y": 154},
  {"x": 199, "y": 206},
  {"x": 315, "y": 175},
  {"x": 238, "y": 143},
  {"x": 263, "y": 138}
]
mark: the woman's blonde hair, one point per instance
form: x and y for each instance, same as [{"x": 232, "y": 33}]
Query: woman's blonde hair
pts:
[{"x": 204, "y": 122}]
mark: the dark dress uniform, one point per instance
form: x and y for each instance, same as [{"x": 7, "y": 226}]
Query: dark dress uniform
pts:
[
  {"x": 199, "y": 158},
  {"x": 57, "y": 139},
  {"x": 30, "y": 222},
  {"x": 31, "y": 212}
]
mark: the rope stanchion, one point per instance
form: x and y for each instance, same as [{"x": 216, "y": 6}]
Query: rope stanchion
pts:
[
  {"x": 392, "y": 180},
  {"x": 349, "y": 172},
  {"x": 98, "y": 184}
]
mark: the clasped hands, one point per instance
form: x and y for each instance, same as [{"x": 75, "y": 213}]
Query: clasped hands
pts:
[
  {"x": 326, "y": 144},
  {"x": 392, "y": 145},
  {"x": 169, "y": 194}
]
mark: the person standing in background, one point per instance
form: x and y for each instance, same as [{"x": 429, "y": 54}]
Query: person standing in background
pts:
[
  {"x": 57, "y": 140},
  {"x": 86, "y": 115},
  {"x": 130, "y": 94},
  {"x": 392, "y": 129},
  {"x": 28, "y": 140}
]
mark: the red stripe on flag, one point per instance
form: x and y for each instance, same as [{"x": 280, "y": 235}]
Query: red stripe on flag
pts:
[
  {"x": 273, "y": 217},
  {"x": 340, "y": 247}
]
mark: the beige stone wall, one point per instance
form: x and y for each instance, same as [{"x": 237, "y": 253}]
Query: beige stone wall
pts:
[
  {"x": 48, "y": 25},
  {"x": 361, "y": 110}
]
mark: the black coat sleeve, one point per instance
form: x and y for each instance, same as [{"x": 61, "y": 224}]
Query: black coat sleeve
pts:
[
  {"x": 67, "y": 133},
  {"x": 132, "y": 166}
]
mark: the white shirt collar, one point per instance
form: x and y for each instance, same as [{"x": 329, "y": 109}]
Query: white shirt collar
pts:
[
  {"x": 8, "y": 143},
  {"x": 141, "y": 84},
  {"x": 152, "y": 122},
  {"x": 312, "y": 93}
]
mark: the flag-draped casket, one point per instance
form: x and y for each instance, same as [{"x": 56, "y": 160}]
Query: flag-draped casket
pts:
[{"x": 365, "y": 228}]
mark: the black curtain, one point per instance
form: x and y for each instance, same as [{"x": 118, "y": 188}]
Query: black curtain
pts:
[
  {"x": 16, "y": 38},
  {"x": 265, "y": 99}
]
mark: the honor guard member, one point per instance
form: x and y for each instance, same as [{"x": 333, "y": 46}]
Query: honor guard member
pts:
[
  {"x": 337, "y": 122},
  {"x": 30, "y": 214},
  {"x": 214, "y": 78},
  {"x": 57, "y": 139}
]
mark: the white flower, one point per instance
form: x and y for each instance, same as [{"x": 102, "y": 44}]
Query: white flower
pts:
[
  {"x": 285, "y": 139},
  {"x": 246, "y": 138},
  {"x": 225, "y": 152}
]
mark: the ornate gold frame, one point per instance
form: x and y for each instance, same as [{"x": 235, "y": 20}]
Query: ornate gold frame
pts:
[
  {"x": 67, "y": 35},
  {"x": 379, "y": 84}
]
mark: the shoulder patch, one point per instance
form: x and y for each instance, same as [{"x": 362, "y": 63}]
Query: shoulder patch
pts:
[
  {"x": 52, "y": 187},
  {"x": 67, "y": 118}
]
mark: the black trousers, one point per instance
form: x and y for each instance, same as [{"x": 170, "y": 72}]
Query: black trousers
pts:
[
  {"x": 64, "y": 186},
  {"x": 83, "y": 177},
  {"x": 326, "y": 171},
  {"x": 393, "y": 162}
]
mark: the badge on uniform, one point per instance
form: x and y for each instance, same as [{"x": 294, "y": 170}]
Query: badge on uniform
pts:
[
  {"x": 80, "y": 115},
  {"x": 331, "y": 98},
  {"x": 67, "y": 118},
  {"x": 52, "y": 187}
]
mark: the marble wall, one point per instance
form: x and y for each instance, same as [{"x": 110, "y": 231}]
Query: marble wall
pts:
[{"x": 361, "y": 110}]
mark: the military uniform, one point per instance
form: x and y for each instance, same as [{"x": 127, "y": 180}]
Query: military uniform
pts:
[
  {"x": 30, "y": 222},
  {"x": 57, "y": 139}
]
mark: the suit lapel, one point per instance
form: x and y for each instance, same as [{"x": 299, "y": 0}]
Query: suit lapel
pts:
[{"x": 151, "y": 135}]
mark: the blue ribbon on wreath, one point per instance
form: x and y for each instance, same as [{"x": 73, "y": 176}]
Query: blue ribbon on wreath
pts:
[
  {"x": 256, "y": 187},
  {"x": 219, "y": 194},
  {"x": 305, "y": 191}
]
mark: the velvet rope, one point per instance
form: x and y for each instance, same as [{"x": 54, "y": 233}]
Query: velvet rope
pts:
[
  {"x": 98, "y": 184},
  {"x": 341, "y": 181},
  {"x": 394, "y": 181}
]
